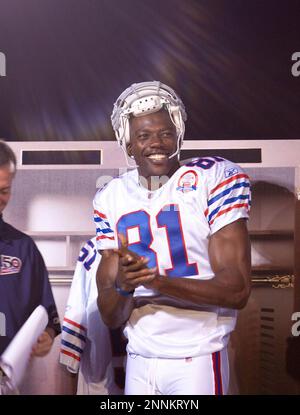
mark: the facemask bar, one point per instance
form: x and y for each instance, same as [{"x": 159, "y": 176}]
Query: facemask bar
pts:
[{"x": 142, "y": 99}]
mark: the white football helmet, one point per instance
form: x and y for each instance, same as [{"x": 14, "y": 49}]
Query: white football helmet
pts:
[{"x": 142, "y": 99}]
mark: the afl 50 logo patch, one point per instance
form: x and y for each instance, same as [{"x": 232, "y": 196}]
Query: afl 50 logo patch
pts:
[{"x": 9, "y": 265}]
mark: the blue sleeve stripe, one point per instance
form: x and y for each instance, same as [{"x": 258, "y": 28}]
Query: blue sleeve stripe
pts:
[
  {"x": 100, "y": 220},
  {"x": 225, "y": 192},
  {"x": 97, "y": 219},
  {"x": 71, "y": 346},
  {"x": 108, "y": 230},
  {"x": 74, "y": 333},
  {"x": 227, "y": 202}
]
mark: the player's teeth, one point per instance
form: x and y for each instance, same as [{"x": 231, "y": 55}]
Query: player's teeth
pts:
[{"x": 157, "y": 156}]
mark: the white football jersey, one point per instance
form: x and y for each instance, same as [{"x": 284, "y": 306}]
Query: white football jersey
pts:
[
  {"x": 85, "y": 340},
  {"x": 172, "y": 226}
]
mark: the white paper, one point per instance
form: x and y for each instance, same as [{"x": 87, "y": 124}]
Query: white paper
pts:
[{"x": 15, "y": 358}]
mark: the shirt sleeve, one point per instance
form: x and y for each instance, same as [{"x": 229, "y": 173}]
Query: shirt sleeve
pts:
[
  {"x": 74, "y": 329},
  {"x": 228, "y": 195},
  {"x": 105, "y": 233},
  {"x": 45, "y": 292}
]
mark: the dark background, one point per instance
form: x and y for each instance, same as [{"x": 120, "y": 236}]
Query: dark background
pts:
[{"x": 230, "y": 60}]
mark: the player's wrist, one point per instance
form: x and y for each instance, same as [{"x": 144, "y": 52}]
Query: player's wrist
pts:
[
  {"x": 124, "y": 293},
  {"x": 51, "y": 332}
]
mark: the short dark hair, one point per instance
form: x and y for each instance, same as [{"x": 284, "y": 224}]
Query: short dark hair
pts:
[{"x": 7, "y": 155}]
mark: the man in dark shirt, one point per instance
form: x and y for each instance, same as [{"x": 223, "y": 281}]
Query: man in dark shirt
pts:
[{"x": 24, "y": 282}]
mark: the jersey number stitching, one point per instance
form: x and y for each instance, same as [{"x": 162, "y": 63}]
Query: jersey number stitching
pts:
[{"x": 168, "y": 218}]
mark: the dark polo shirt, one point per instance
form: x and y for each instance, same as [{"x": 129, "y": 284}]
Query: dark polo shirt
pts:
[{"x": 24, "y": 283}]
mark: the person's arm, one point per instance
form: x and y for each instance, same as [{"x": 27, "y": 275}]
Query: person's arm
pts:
[
  {"x": 229, "y": 252},
  {"x": 116, "y": 306},
  {"x": 43, "y": 292}
]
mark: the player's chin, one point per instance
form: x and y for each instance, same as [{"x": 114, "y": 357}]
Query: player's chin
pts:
[{"x": 159, "y": 167}]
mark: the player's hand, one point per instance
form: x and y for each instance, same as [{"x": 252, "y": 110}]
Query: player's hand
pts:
[
  {"x": 43, "y": 345},
  {"x": 124, "y": 253},
  {"x": 133, "y": 269}
]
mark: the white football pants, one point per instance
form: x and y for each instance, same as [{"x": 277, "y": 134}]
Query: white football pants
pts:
[{"x": 202, "y": 375}]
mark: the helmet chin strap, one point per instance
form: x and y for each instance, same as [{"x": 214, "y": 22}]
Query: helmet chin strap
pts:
[
  {"x": 175, "y": 154},
  {"x": 178, "y": 148}
]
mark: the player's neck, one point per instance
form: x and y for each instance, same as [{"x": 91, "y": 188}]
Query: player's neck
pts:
[{"x": 153, "y": 183}]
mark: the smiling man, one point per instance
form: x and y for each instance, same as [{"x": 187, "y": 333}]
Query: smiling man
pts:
[
  {"x": 153, "y": 141},
  {"x": 175, "y": 250}
]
